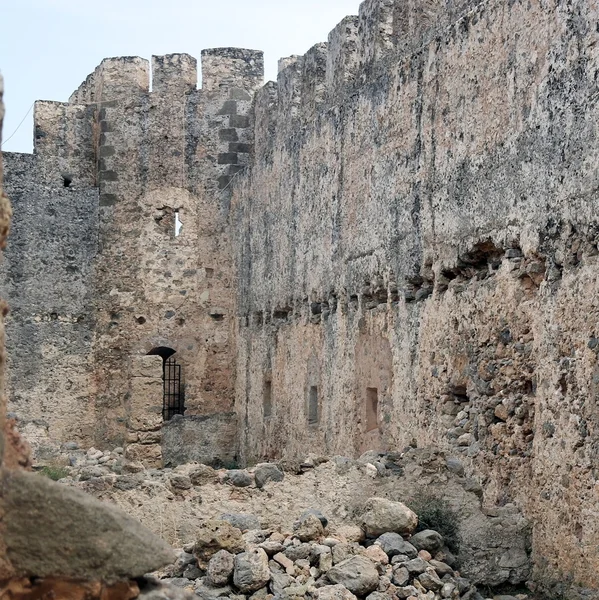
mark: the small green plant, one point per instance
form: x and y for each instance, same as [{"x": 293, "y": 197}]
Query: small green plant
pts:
[
  {"x": 435, "y": 513},
  {"x": 54, "y": 472}
]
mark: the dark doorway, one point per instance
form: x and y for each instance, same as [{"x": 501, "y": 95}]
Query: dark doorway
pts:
[{"x": 173, "y": 390}]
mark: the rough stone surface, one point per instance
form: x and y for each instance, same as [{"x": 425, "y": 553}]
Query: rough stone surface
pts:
[
  {"x": 430, "y": 248},
  {"x": 309, "y": 527},
  {"x": 410, "y": 260},
  {"x": 220, "y": 568},
  {"x": 358, "y": 574},
  {"x": 428, "y": 540},
  {"x": 239, "y": 478},
  {"x": 381, "y": 515},
  {"x": 242, "y": 521},
  {"x": 119, "y": 287},
  {"x": 214, "y": 535},
  {"x": 251, "y": 570},
  {"x": 207, "y": 439},
  {"x": 393, "y": 544},
  {"x": 267, "y": 472},
  {"x": 74, "y": 534},
  {"x": 334, "y": 592}
]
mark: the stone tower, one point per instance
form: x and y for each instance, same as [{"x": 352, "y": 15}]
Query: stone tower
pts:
[{"x": 121, "y": 256}]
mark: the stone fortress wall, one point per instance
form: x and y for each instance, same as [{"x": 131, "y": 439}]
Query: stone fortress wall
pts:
[
  {"x": 418, "y": 254},
  {"x": 409, "y": 259},
  {"x": 95, "y": 273}
]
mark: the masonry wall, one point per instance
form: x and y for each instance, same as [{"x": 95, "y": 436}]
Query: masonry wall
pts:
[
  {"x": 418, "y": 237},
  {"x": 47, "y": 272},
  {"x": 101, "y": 278}
]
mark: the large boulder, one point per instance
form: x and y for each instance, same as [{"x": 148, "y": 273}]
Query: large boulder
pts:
[
  {"x": 215, "y": 535},
  {"x": 358, "y": 574},
  {"x": 381, "y": 515},
  {"x": 76, "y": 535},
  {"x": 251, "y": 570}
]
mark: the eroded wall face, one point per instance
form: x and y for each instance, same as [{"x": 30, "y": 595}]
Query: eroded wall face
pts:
[
  {"x": 423, "y": 231},
  {"x": 47, "y": 280},
  {"x": 121, "y": 247},
  {"x": 163, "y": 276}
]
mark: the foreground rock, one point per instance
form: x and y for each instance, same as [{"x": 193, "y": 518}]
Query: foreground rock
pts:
[
  {"x": 251, "y": 570},
  {"x": 75, "y": 535}
]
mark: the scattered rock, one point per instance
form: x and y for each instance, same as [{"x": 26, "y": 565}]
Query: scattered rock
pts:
[
  {"x": 251, "y": 570},
  {"x": 430, "y": 580},
  {"x": 180, "y": 482},
  {"x": 415, "y": 566},
  {"x": 266, "y": 472},
  {"x": 242, "y": 521},
  {"x": 334, "y": 592},
  {"x": 377, "y": 554},
  {"x": 401, "y": 576},
  {"x": 215, "y": 535},
  {"x": 393, "y": 544},
  {"x": 381, "y": 516},
  {"x": 358, "y": 574},
  {"x": 350, "y": 533},
  {"x": 308, "y": 528},
  {"x": 239, "y": 478},
  {"x": 316, "y": 513},
  {"x": 208, "y": 592},
  {"x": 203, "y": 474},
  {"x": 455, "y": 466},
  {"x": 441, "y": 568},
  {"x": 220, "y": 568},
  {"x": 285, "y": 562}
]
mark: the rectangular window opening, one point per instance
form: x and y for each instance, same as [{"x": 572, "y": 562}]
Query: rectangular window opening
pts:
[
  {"x": 372, "y": 409},
  {"x": 313, "y": 406},
  {"x": 267, "y": 399}
]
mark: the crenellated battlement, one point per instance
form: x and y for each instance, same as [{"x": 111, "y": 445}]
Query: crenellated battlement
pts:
[
  {"x": 360, "y": 50},
  {"x": 232, "y": 67},
  {"x": 114, "y": 79},
  {"x": 174, "y": 73},
  {"x": 129, "y": 103}
]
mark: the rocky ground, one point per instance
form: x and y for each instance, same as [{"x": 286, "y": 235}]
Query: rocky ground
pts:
[
  {"x": 379, "y": 559},
  {"x": 324, "y": 528}
]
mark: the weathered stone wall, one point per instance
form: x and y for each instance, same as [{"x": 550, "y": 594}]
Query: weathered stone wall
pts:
[
  {"x": 418, "y": 237},
  {"x": 95, "y": 271},
  {"x": 47, "y": 273},
  {"x": 205, "y": 439}
]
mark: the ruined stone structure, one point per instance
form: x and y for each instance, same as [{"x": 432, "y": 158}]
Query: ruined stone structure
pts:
[
  {"x": 395, "y": 243},
  {"x": 121, "y": 250}
]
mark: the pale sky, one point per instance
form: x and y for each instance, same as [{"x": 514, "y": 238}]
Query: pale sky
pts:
[{"x": 48, "y": 47}]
